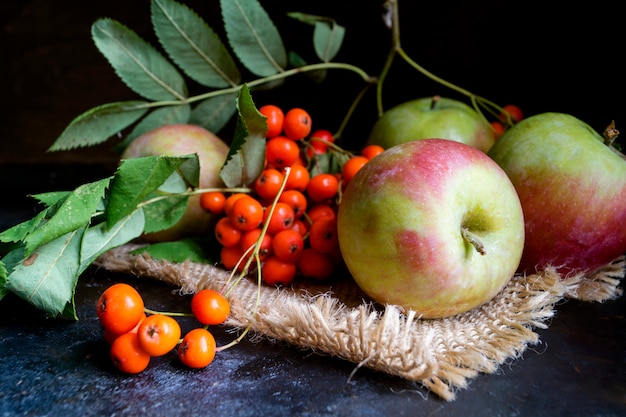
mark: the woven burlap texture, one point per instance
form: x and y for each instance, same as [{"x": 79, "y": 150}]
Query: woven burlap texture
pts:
[{"x": 338, "y": 319}]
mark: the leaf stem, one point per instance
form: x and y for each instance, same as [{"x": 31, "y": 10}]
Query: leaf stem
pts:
[
  {"x": 260, "y": 81},
  {"x": 191, "y": 192}
]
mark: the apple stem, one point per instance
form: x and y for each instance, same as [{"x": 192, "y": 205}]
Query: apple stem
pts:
[
  {"x": 474, "y": 240},
  {"x": 434, "y": 101},
  {"x": 610, "y": 134}
]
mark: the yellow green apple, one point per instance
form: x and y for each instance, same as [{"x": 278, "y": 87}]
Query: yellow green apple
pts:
[{"x": 432, "y": 117}]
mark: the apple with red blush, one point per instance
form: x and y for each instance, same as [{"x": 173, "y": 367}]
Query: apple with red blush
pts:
[
  {"x": 180, "y": 140},
  {"x": 572, "y": 185},
  {"x": 431, "y": 225}
]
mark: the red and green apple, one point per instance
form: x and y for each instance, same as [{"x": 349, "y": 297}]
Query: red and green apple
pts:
[
  {"x": 179, "y": 140},
  {"x": 572, "y": 186},
  {"x": 431, "y": 225}
]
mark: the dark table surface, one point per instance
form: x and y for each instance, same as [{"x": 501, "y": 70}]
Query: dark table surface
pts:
[{"x": 60, "y": 368}]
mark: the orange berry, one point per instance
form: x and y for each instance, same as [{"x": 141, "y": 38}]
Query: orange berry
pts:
[
  {"x": 230, "y": 256},
  {"x": 323, "y": 235},
  {"x": 298, "y": 178},
  {"x": 213, "y": 201},
  {"x": 322, "y": 187},
  {"x": 371, "y": 151},
  {"x": 197, "y": 349},
  {"x": 297, "y": 123},
  {"x": 282, "y": 218},
  {"x": 351, "y": 167},
  {"x": 276, "y": 271},
  {"x": 119, "y": 308},
  {"x": 515, "y": 112},
  {"x": 158, "y": 334},
  {"x": 317, "y": 265},
  {"x": 210, "y": 307},
  {"x": 268, "y": 184},
  {"x": 247, "y": 213},
  {"x": 498, "y": 129},
  {"x": 287, "y": 245},
  {"x": 127, "y": 354},
  {"x": 251, "y": 238},
  {"x": 296, "y": 199},
  {"x": 226, "y": 233},
  {"x": 275, "y": 118},
  {"x": 320, "y": 210},
  {"x": 281, "y": 152}
]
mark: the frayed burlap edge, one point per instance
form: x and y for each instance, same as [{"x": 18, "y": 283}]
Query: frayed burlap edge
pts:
[{"x": 338, "y": 320}]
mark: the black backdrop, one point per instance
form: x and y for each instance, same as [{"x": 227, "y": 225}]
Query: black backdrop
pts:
[{"x": 543, "y": 56}]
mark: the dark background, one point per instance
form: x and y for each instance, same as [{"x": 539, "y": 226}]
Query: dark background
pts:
[{"x": 560, "y": 58}]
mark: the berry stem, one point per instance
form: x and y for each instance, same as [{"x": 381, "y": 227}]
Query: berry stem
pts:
[{"x": 166, "y": 313}]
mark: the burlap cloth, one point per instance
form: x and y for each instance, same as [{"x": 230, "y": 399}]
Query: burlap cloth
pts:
[{"x": 336, "y": 318}]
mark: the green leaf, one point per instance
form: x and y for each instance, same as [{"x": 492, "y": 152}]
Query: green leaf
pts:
[
  {"x": 19, "y": 232},
  {"x": 189, "y": 249},
  {"x": 164, "y": 213},
  {"x": 137, "y": 178},
  {"x": 193, "y": 45},
  {"x": 47, "y": 277},
  {"x": 246, "y": 157},
  {"x": 327, "y": 39},
  {"x": 51, "y": 198},
  {"x": 158, "y": 117},
  {"x": 253, "y": 37},
  {"x": 213, "y": 113},
  {"x": 3, "y": 280},
  {"x": 74, "y": 212},
  {"x": 13, "y": 257},
  {"x": 139, "y": 65},
  {"x": 99, "y": 239},
  {"x": 99, "y": 124}
]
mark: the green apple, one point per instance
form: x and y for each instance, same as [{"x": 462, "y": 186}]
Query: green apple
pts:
[
  {"x": 432, "y": 117},
  {"x": 573, "y": 191},
  {"x": 431, "y": 225},
  {"x": 179, "y": 140}
]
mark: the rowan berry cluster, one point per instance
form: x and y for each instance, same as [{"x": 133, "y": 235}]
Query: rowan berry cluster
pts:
[
  {"x": 290, "y": 213},
  {"x": 136, "y": 334}
]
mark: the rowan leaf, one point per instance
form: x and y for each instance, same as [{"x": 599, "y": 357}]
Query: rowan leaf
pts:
[
  {"x": 98, "y": 124},
  {"x": 73, "y": 212},
  {"x": 137, "y": 178},
  {"x": 189, "y": 249},
  {"x": 163, "y": 213},
  {"x": 327, "y": 39},
  {"x": 193, "y": 45},
  {"x": 327, "y": 34},
  {"x": 47, "y": 277},
  {"x": 51, "y": 198},
  {"x": 99, "y": 239},
  {"x": 4, "y": 274},
  {"x": 253, "y": 37},
  {"x": 19, "y": 232},
  {"x": 137, "y": 63},
  {"x": 246, "y": 157},
  {"x": 213, "y": 113}
]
